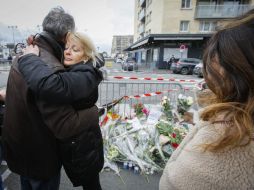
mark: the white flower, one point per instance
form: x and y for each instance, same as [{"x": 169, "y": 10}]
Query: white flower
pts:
[
  {"x": 180, "y": 96},
  {"x": 164, "y": 98},
  {"x": 189, "y": 100},
  {"x": 163, "y": 139}
]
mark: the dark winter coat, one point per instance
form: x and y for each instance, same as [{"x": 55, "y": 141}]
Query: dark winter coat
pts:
[
  {"x": 33, "y": 127},
  {"x": 82, "y": 154}
]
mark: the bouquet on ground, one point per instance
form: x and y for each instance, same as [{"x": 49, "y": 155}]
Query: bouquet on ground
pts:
[
  {"x": 171, "y": 134},
  {"x": 184, "y": 103},
  {"x": 125, "y": 143},
  {"x": 140, "y": 110},
  {"x": 111, "y": 115},
  {"x": 167, "y": 108}
]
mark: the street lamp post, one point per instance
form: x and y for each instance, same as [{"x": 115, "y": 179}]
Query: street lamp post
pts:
[{"x": 13, "y": 28}]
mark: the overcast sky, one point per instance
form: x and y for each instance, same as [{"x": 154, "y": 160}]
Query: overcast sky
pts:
[{"x": 100, "y": 19}]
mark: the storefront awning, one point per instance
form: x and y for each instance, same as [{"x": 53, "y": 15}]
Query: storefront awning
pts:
[
  {"x": 153, "y": 38},
  {"x": 179, "y": 38},
  {"x": 140, "y": 43}
]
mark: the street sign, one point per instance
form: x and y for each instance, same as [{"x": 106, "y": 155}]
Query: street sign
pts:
[{"x": 182, "y": 48}]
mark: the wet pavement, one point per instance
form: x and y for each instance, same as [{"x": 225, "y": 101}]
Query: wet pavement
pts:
[{"x": 127, "y": 180}]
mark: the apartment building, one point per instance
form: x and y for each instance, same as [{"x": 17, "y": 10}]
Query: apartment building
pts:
[
  {"x": 161, "y": 27},
  {"x": 120, "y": 42}
]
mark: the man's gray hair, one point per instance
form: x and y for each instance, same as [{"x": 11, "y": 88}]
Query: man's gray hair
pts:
[{"x": 58, "y": 23}]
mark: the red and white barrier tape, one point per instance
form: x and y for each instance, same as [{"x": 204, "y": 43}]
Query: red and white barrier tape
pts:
[
  {"x": 154, "y": 79},
  {"x": 152, "y": 94},
  {"x": 105, "y": 120}
]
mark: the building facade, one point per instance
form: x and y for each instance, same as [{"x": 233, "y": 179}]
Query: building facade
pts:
[
  {"x": 161, "y": 27},
  {"x": 119, "y": 43}
]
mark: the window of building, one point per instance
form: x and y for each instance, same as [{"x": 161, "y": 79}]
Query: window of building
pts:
[
  {"x": 118, "y": 42},
  {"x": 148, "y": 32},
  {"x": 148, "y": 17},
  {"x": 184, "y": 26},
  {"x": 149, "y": 2},
  {"x": 186, "y": 4},
  {"x": 207, "y": 26}
]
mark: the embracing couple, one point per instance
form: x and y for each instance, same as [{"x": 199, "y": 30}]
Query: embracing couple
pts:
[{"x": 51, "y": 118}]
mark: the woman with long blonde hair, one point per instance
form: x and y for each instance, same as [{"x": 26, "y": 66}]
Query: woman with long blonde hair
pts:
[
  {"x": 219, "y": 153},
  {"x": 81, "y": 154}
]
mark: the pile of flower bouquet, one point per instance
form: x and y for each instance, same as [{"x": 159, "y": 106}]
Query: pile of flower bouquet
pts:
[{"x": 147, "y": 146}]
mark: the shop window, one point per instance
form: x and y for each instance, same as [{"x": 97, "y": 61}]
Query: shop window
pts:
[{"x": 155, "y": 55}]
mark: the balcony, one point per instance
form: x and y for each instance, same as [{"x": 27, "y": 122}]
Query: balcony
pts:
[
  {"x": 142, "y": 15},
  {"x": 141, "y": 29},
  {"x": 220, "y": 11},
  {"x": 142, "y": 3}
]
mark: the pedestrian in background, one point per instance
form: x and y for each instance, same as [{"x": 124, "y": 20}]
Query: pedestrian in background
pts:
[
  {"x": 9, "y": 58},
  {"x": 82, "y": 154},
  {"x": 171, "y": 60},
  {"x": 32, "y": 127},
  {"x": 219, "y": 153}
]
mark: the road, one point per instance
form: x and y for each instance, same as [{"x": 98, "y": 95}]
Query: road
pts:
[{"x": 109, "y": 180}]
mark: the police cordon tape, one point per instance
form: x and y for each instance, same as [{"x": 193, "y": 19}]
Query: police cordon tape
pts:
[
  {"x": 154, "y": 79},
  {"x": 114, "y": 102},
  {"x": 149, "y": 94},
  {"x": 145, "y": 95},
  {"x": 117, "y": 101}
]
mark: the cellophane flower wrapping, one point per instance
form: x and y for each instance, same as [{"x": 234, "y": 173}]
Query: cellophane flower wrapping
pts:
[{"x": 148, "y": 146}]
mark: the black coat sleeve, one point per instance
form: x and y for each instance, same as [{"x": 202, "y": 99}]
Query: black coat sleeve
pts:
[{"x": 59, "y": 87}]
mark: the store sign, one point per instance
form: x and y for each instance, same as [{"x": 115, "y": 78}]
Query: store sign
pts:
[{"x": 182, "y": 48}]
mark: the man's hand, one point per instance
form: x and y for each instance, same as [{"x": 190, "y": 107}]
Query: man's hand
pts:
[
  {"x": 31, "y": 49},
  {"x": 30, "y": 40}
]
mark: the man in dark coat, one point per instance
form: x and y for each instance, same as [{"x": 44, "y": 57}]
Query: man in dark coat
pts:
[{"x": 33, "y": 126}]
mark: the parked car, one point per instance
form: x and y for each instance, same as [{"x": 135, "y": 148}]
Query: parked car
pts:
[
  {"x": 3, "y": 60},
  {"x": 184, "y": 66},
  {"x": 119, "y": 60},
  {"x": 170, "y": 61},
  {"x": 198, "y": 70},
  {"x": 130, "y": 64}
]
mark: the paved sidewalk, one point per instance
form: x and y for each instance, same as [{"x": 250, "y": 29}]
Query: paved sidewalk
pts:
[{"x": 109, "y": 181}]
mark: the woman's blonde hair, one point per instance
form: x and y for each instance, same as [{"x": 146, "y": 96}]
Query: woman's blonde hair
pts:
[
  {"x": 230, "y": 50},
  {"x": 88, "y": 46}
]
